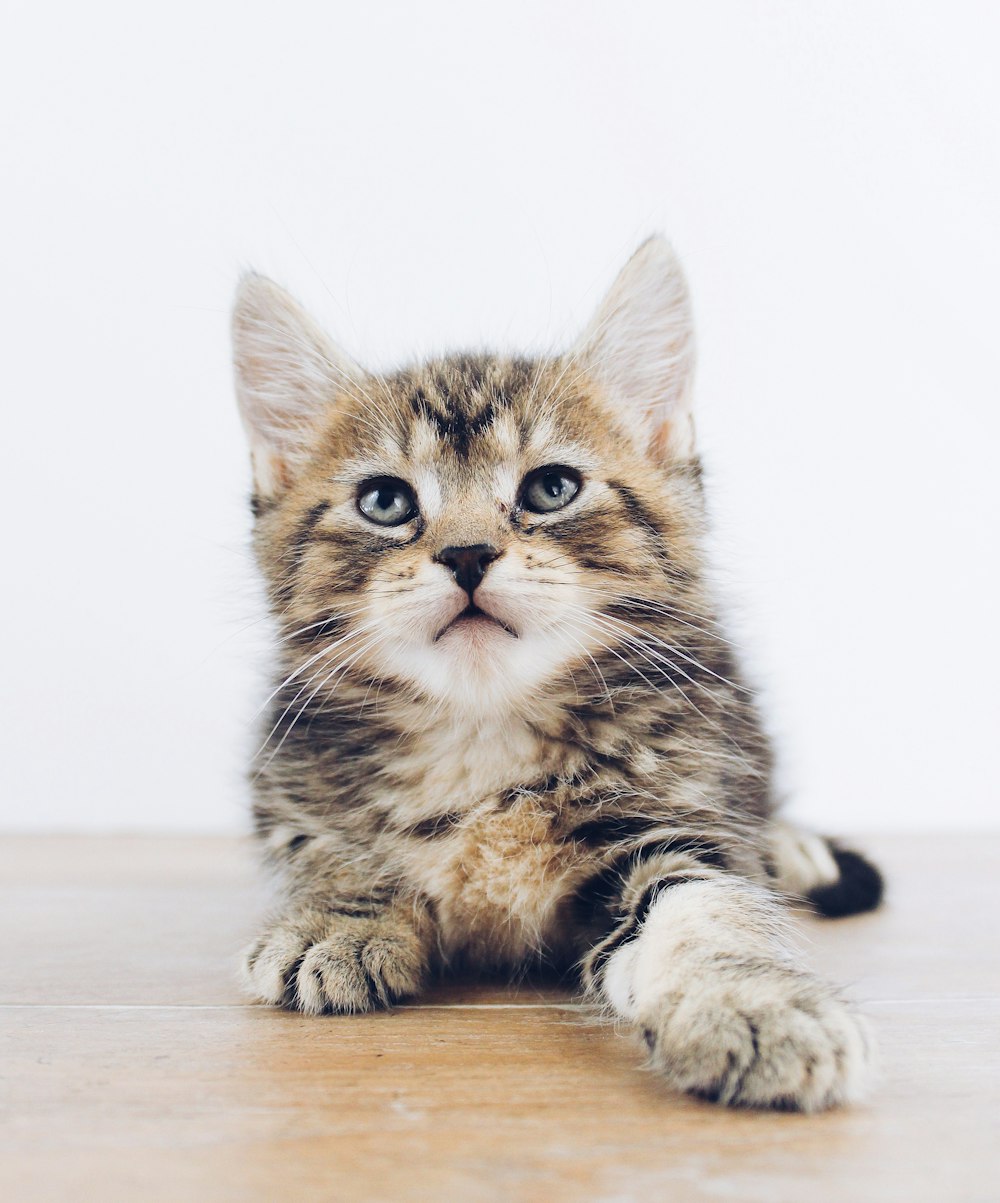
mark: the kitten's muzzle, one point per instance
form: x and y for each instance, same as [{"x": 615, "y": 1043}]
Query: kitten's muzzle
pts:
[{"x": 468, "y": 564}]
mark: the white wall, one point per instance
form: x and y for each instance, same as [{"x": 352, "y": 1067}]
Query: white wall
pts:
[{"x": 426, "y": 175}]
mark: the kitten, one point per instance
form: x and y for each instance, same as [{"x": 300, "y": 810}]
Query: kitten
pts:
[{"x": 507, "y": 727}]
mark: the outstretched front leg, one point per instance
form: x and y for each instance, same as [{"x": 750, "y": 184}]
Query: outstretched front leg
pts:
[
  {"x": 697, "y": 962},
  {"x": 337, "y": 946}
]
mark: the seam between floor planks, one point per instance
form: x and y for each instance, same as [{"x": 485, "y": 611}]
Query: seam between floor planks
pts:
[{"x": 553, "y": 1006}]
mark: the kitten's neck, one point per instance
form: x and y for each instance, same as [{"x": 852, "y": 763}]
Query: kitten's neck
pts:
[{"x": 453, "y": 764}]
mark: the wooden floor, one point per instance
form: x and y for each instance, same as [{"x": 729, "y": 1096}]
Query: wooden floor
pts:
[{"x": 132, "y": 1069}]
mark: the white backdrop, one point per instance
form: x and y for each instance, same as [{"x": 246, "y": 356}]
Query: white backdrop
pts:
[{"x": 433, "y": 175}]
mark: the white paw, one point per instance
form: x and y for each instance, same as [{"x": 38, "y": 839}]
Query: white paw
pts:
[
  {"x": 753, "y": 1032},
  {"x": 320, "y": 963}
]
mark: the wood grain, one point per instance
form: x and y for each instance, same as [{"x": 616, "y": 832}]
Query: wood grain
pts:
[{"x": 132, "y": 1069}]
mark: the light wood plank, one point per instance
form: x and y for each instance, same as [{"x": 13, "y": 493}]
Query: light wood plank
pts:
[{"x": 131, "y": 1069}]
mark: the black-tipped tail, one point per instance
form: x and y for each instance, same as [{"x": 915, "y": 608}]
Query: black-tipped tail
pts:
[{"x": 859, "y": 887}]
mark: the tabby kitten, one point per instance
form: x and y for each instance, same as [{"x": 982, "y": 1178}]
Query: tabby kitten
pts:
[{"x": 507, "y": 728}]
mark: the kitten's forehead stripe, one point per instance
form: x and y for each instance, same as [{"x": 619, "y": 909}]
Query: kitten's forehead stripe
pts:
[{"x": 465, "y": 399}]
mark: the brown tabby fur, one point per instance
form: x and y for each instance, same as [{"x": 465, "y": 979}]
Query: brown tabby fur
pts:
[
  {"x": 495, "y": 822},
  {"x": 652, "y": 741}
]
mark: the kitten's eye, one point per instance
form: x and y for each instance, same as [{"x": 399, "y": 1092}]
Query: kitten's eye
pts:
[
  {"x": 387, "y": 501},
  {"x": 550, "y": 488}
]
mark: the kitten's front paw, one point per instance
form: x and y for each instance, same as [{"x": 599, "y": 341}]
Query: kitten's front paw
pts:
[
  {"x": 320, "y": 963},
  {"x": 759, "y": 1034}
]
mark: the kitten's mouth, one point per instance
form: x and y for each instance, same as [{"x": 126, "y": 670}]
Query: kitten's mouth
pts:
[{"x": 473, "y": 616}]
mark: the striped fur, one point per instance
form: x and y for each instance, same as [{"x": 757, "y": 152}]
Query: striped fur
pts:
[{"x": 548, "y": 780}]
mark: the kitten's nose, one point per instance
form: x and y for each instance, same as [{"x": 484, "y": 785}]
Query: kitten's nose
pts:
[{"x": 468, "y": 564}]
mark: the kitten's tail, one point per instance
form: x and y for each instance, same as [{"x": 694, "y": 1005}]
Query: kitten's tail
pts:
[{"x": 835, "y": 881}]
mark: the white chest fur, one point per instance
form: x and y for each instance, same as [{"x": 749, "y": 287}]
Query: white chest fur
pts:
[{"x": 454, "y": 765}]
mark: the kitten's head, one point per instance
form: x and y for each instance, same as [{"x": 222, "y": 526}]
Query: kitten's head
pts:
[{"x": 473, "y": 530}]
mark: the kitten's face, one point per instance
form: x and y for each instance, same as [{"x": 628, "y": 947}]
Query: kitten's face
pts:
[{"x": 466, "y": 528}]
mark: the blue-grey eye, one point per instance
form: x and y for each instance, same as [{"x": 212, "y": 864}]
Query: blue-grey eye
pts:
[
  {"x": 387, "y": 501},
  {"x": 550, "y": 488}
]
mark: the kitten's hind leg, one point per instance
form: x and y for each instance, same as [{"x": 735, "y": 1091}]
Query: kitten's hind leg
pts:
[
  {"x": 339, "y": 955},
  {"x": 698, "y": 964},
  {"x": 834, "y": 880}
]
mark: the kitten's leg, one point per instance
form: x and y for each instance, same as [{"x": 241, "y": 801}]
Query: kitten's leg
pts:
[
  {"x": 698, "y": 964},
  {"x": 836, "y": 881},
  {"x": 335, "y": 945}
]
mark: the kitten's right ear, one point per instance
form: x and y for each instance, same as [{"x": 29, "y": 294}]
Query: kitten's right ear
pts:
[
  {"x": 287, "y": 374},
  {"x": 640, "y": 347}
]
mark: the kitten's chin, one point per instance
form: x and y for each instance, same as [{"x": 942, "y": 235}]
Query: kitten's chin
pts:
[{"x": 479, "y": 667}]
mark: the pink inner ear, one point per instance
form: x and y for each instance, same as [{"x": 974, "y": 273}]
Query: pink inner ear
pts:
[
  {"x": 271, "y": 471},
  {"x": 660, "y": 443},
  {"x": 673, "y": 438}
]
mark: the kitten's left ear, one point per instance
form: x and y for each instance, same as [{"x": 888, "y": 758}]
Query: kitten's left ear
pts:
[{"x": 640, "y": 349}]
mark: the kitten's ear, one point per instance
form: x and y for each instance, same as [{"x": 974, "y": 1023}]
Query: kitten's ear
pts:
[
  {"x": 287, "y": 374},
  {"x": 640, "y": 348}
]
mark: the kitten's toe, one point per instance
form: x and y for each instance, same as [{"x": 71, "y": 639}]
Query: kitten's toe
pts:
[
  {"x": 270, "y": 965},
  {"x": 350, "y": 965},
  {"x": 761, "y": 1037},
  {"x": 358, "y": 971}
]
